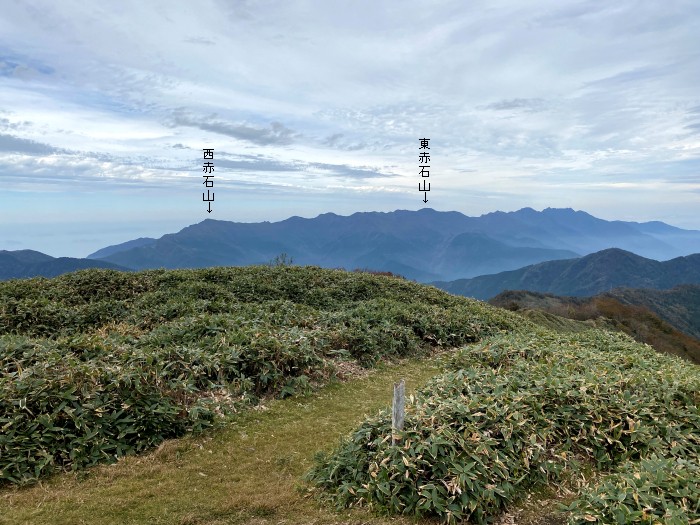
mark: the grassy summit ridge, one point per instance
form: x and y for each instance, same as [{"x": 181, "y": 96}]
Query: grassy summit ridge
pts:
[
  {"x": 529, "y": 409},
  {"x": 99, "y": 364}
]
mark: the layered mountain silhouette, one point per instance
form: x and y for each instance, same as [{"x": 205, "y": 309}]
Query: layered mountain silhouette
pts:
[
  {"x": 109, "y": 250},
  {"x": 425, "y": 245},
  {"x": 21, "y": 264},
  {"x": 595, "y": 273}
]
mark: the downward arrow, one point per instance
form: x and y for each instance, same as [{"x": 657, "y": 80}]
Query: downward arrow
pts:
[
  {"x": 425, "y": 199},
  {"x": 209, "y": 210}
]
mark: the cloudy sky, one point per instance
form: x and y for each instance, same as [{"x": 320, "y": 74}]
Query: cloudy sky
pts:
[{"x": 318, "y": 106}]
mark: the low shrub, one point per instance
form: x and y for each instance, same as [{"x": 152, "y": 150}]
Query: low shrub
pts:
[
  {"x": 98, "y": 364},
  {"x": 519, "y": 411},
  {"x": 654, "y": 490}
]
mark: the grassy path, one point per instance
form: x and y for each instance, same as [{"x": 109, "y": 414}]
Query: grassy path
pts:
[{"x": 246, "y": 473}]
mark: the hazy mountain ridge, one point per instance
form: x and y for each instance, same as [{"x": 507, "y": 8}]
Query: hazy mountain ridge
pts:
[
  {"x": 22, "y": 264},
  {"x": 583, "y": 233},
  {"x": 425, "y": 245},
  {"x": 595, "y": 273},
  {"x": 109, "y": 250}
]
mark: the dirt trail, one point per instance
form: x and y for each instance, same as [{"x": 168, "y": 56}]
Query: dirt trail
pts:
[{"x": 246, "y": 473}]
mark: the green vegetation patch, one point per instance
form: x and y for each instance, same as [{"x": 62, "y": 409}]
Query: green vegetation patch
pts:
[
  {"x": 523, "y": 410},
  {"x": 98, "y": 364}
]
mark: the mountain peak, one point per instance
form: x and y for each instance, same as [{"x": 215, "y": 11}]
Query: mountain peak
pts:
[
  {"x": 422, "y": 244},
  {"x": 595, "y": 273},
  {"x": 27, "y": 255},
  {"x": 614, "y": 251}
]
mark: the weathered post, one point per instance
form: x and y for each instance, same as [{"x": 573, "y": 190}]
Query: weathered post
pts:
[{"x": 398, "y": 410}]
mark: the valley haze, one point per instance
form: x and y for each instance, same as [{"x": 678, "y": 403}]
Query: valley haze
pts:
[{"x": 424, "y": 245}]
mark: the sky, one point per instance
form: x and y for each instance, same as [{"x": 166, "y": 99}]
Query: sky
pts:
[{"x": 315, "y": 107}]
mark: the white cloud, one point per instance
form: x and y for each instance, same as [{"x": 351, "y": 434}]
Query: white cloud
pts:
[{"x": 326, "y": 97}]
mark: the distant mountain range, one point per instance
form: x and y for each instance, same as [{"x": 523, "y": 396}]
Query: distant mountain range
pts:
[
  {"x": 425, "y": 245},
  {"x": 21, "y": 264},
  {"x": 595, "y": 273},
  {"x": 673, "y": 326}
]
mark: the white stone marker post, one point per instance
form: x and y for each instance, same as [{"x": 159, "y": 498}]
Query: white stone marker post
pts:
[{"x": 398, "y": 410}]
